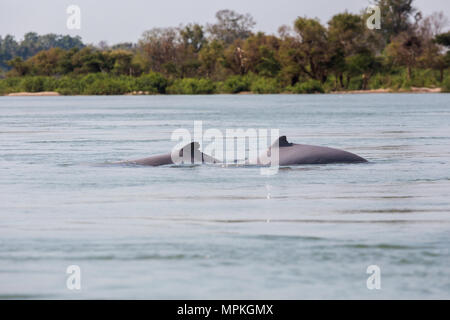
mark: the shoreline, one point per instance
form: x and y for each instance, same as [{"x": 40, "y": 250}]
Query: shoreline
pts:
[
  {"x": 370, "y": 91},
  {"x": 34, "y": 94},
  {"x": 412, "y": 90}
]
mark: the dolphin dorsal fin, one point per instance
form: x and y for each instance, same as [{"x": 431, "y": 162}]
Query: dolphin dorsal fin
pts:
[
  {"x": 282, "y": 142},
  {"x": 191, "y": 147}
]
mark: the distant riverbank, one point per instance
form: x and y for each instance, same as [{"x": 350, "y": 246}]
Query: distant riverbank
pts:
[
  {"x": 156, "y": 83},
  {"x": 135, "y": 93}
]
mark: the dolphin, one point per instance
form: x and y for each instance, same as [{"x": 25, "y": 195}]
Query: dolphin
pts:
[
  {"x": 297, "y": 154},
  {"x": 288, "y": 154},
  {"x": 196, "y": 156}
]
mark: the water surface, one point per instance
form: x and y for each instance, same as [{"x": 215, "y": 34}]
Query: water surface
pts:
[{"x": 213, "y": 232}]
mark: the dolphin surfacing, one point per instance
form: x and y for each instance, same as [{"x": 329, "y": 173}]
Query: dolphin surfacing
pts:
[
  {"x": 196, "y": 156},
  {"x": 289, "y": 154},
  {"x": 298, "y": 154}
]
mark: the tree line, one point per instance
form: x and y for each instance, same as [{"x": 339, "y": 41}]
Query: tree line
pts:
[
  {"x": 228, "y": 56},
  {"x": 33, "y": 43}
]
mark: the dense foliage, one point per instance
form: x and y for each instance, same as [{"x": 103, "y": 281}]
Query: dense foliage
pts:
[
  {"x": 32, "y": 44},
  {"x": 228, "y": 57}
]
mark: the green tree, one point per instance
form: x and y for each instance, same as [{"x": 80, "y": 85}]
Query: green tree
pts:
[
  {"x": 404, "y": 50},
  {"x": 260, "y": 53},
  {"x": 9, "y": 49},
  {"x": 441, "y": 60},
  {"x": 443, "y": 39},
  {"x": 312, "y": 52},
  {"x": 211, "y": 57},
  {"x": 122, "y": 60},
  {"x": 19, "y": 67},
  {"x": 47, "y": 62},
  {"x": 193, "y": 40},
  {"x": 365, "y": 64},
  {"x": 193, "y": 37},
  {"x": 346, "y": 36},
  {"x": 90, "y": 60}
]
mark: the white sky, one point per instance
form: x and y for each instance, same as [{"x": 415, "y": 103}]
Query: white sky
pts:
[{"x": 119, "y": 21}]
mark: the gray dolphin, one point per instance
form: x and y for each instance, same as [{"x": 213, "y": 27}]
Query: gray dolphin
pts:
[
  {"x": 289, "y": 154},
  {"x": 294, "y": 154},
  {"x": 164, "y": 159}
]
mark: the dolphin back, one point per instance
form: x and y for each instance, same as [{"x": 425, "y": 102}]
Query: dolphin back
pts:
[
  {"x": 298, "y": 154},
  {"x": 189, "y": 154}
]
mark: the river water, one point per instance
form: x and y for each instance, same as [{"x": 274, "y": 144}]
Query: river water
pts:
[{"x": 213, "y": 232}]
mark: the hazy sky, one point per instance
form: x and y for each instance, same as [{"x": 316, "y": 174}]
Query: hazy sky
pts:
[{"x": 125, "y": 20}]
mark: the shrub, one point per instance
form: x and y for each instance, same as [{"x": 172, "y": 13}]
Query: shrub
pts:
[
  {"x": 265, "y": 85},
  {"x": 425, "y": 78},
  {"x": 236, "y": 84},
  {"x": 152, "y": 82},
  {"x": 446, "y": 84},
  {"x": 378, "y": 81},
  {"x": 69, "y": 86},
  {"x": 108, "y": 86},
  {"x": 3, "y": 88},
  {"x": 65, "y": 91},
  {"x": 33, "y": 84},
  {"x": 51, "y": 83},
  {"x": 356, "y": 83},
  {"x": 13, "y": 82},
  {"x": 10, "y": 85},
  {"x": 90, "y": 78},
  {"x": 309, "y": 86},
  {"x": 192, "y": 86}
]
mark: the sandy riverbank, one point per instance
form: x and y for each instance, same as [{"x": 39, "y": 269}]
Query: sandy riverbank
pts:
[
  {"x": 412, "y": 90},
  {"x": 26, "y": 94}
]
